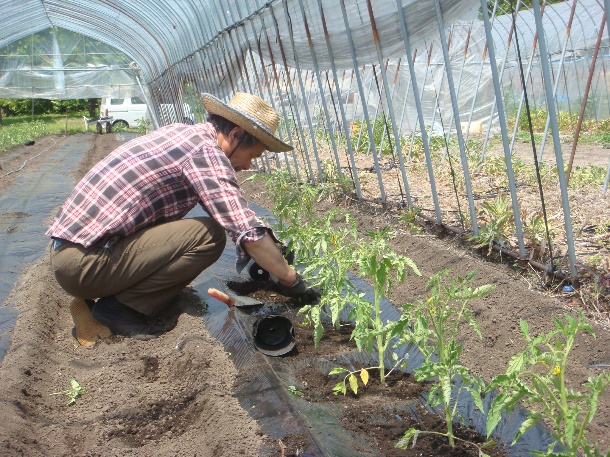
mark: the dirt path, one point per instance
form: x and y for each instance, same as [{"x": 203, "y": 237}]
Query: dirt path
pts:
[
  {"x": 175, "y": 395},
  {"x": 171, "y": 396}
]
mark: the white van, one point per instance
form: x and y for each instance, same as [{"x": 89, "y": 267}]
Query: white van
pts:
[
  {"x": 124, "y": 111},
  {"x": 127, "y": 111}
]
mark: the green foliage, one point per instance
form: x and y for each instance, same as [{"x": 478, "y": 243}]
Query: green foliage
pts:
[
  {"x": 433, "y": 327},
  {"x": 13, "y": 135},
  {"x": 334, "y": 181},
  {"x": 505, "y": 8},
  {"x": 534, "y": 229},
  {"x": 359, "y": 136},
  {"x": 293, "y": 201},
  {"x": 376, "y": 260},
  {"x": 350, "y": 379},
  {"x": 72, "y": 393},
  {"x": 582, "y": 177},
  {"x": 204, "y": 307},
  {"x": 537, "y": 376},
  {"x": 23, "y": 107},
  {"x": 327, "y": 255},
  {"x": 294, "y": 391},
  {"x": 409, "y": 218},
  {"x": 498, "y": 224},
  {"x": 142, "y": 125}
]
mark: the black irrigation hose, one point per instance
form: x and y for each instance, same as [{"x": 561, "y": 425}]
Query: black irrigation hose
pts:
[
  {"x": 457, "y": 196},
  {"x": 531, "y": 131}
]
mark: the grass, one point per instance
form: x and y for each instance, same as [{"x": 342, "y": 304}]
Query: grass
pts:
[{"x": 16, "y": 130}]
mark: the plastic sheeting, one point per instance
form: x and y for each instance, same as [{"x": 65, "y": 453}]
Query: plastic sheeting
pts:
[
  {"x": 59, "y": 64},
  {"x": 194, "y": 40}
]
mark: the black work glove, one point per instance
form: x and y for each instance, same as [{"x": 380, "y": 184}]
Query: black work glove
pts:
[{"x": 300, "y": 289}]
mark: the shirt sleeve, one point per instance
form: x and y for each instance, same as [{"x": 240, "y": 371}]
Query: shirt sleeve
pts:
[{"x": 211, "y": 174}]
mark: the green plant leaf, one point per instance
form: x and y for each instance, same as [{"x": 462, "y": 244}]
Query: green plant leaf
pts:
[
  {"x": 490, "y": 443},
  {"x": 525, "y": 329},
  {"x": 338, "y": 370},
  {"x": 476, "y": 396},
  {"x": 526, "y": 425},
  {"x": 517, "y": 363},
  {"x": 495, "y": 413},
  {"x": 409, "y": 435},
  {"x": 295, "y": 391},
  {"x": 340, "y": 388}
]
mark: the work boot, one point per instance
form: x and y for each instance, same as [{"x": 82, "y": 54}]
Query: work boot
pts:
[{"x": 123, "y": 320}]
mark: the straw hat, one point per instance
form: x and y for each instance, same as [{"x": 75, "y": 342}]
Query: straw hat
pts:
[{"x": 251, "y": 113}]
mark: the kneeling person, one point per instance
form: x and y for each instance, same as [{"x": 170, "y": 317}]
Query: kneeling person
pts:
[{"x": 120, "y": 243}]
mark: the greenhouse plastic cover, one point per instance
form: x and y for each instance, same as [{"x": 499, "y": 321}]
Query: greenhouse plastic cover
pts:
[{"x": 154, "y": 36}]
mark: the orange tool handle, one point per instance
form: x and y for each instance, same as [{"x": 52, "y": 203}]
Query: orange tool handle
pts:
[{"x": 218, "y": 295}]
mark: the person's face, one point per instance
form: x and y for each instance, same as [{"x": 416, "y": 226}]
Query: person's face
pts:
[{"x": 240, "y": 155}]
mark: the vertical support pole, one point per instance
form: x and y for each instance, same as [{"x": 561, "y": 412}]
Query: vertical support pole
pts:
[
  {"x": 386, "y": 88},
  {"x": 420, "y": 113},
  {"x": 302, "y": 86},
  {"x": 563, "y": 185},
  {"x": 293, "y": 97},
  {"x": 346, "y": 128},
  {"x": 502, "y": 120},
  {"x": 321, "y": 89},
  {"x": 459, "y": 83},
  {"x": 405, "y": 102},
  {"x": 561, "y": 61},
  {"x": 420, "y": 119},
  {"x": 280, "y": 99},
  {"x": 500, "y": 77},
  {"x": 447, "y": 58},
  {"x": 364, "y": 105},
  {"x": 584, "y": 99},
  {"x": 607, "y": 177},
  {"x": 527, "y": 76}
]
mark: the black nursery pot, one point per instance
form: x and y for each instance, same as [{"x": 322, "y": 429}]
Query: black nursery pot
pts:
[{"x": 274, "y": 335}]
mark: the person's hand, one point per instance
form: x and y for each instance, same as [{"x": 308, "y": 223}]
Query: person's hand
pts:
[{"x": 300, "y": 289}]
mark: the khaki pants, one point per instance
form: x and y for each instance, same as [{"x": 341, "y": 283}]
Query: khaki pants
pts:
[{"x": 145, "y": 270}]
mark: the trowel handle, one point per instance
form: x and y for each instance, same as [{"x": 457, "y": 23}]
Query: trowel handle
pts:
[{"x": 218, "y": 295}]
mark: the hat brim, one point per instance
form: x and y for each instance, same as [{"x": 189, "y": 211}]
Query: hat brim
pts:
[{"x": 250, "y": 124}]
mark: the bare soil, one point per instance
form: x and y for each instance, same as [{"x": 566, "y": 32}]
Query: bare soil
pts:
[
  {"x": 175, "y": 395},
  {"x": 172, "y": 396}
]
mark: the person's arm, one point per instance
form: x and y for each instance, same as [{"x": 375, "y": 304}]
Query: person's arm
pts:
[{"x": 267, "y": 255}]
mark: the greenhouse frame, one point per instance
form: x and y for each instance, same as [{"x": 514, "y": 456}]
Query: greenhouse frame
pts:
[{"x": 381, "y": 93}]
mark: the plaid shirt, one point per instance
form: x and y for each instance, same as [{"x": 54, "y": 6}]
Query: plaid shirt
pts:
[{"x": 154, "y": 179}]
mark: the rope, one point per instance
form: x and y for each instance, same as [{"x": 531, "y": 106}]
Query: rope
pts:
[{"x": 455, "y": 191}]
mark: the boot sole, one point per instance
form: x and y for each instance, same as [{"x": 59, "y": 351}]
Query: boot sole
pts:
[{"x": 88, "y": 330}]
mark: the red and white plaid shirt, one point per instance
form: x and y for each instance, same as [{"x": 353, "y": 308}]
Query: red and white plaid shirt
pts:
[{"x": 154, "y": 179}]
